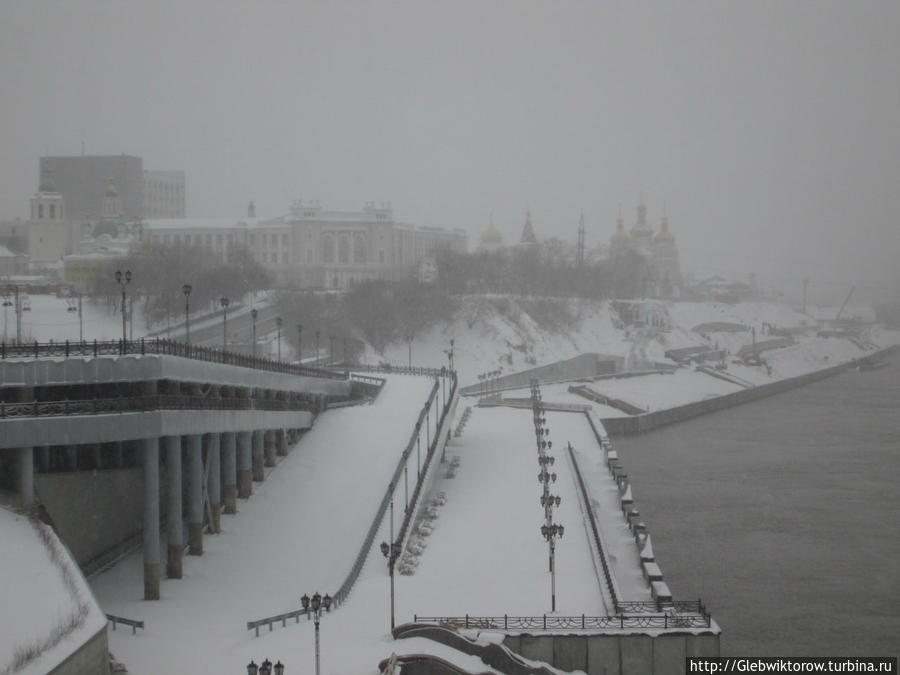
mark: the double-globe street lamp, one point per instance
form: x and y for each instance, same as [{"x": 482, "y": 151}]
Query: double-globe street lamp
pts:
[
  {"x": 279, "y": 322},
  {"x": 186, "y": 289},
  {"x": 316, "y": 603},
  {"x": 224, "y": 302},
  {"x": 123, "y": 281},
  {"x": 265, "y": 668},
  {"x": 391, "y": 551}
]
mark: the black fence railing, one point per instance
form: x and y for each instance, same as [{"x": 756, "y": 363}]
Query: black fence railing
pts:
[
  {"x": 126, "y": 404},
  {"x": 158, "y": 346},
  {"x": 127, "y": 622},
  {"x": 668, "y": 620},
  {"x": 398, "y": 370}
]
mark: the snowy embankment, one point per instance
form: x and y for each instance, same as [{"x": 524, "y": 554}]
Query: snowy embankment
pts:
[
  {"x": 510, "y": 334},
  {"x": 49, "y": 611}
]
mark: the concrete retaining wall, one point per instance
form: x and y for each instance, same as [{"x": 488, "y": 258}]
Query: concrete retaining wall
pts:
[
  {"x": 625, "y": 654},
  {"x": 93, "y": 511},
  {"x": 581, "y": 366},
  {"x": 629, "y": 426},
  {"x": 92, "y": 658}
]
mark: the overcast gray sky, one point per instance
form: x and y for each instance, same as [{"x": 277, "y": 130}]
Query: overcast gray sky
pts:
[{"x": 771, "y": 130}]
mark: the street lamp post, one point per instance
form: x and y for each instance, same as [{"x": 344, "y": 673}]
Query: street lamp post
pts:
[
  {"x": 186, "y": 289},
  {"x": 278, "y": 323},
  {"x": 317, "y": 603},
  {"x": 391, "y": 552},
  {"x": 253, "y": 314},
  {"x": 331, "y": 349},
  {"x": 224, "y": 302},
  {"x": 317, "y": 348},
  {"x": 300, "y": 343},
  {"x": 265, "y": 668},
  {"x": 418, "y": 444},
  {"x": 409, "y": 344},
  {"x": 123, "y": 284}
]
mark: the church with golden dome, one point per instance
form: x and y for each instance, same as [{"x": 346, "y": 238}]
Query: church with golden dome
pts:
[{"x": 656, "y": 254}]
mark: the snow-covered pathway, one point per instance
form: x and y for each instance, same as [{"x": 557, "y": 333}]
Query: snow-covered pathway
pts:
[
  {"x": 486, "y": 555},
  {"x": 299, "y": 532},
  {"x": 622, "y": 552}
]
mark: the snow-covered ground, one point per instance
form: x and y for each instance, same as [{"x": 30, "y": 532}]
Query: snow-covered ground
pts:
[
  {"x": 301, "y": 529},
  {"x": 48, "y": 607}
]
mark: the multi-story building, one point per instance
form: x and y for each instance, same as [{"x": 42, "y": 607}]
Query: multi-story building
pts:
[
  {"x": 164, "y": 194},
  {"x": 82, "y": 180},
  {"x": 313, "y": 248}
]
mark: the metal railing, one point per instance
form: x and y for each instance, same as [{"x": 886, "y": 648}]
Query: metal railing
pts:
[
  {"x": 125, "y": 404},
  {"x": 399, "y": 370},
  {"x": 127, "y": 622},
  {"x": 158, "y": 346},
  {"x": 554, "y": 622}
]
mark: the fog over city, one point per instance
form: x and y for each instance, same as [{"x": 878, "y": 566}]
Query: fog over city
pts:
[{"x": 767, "y": 130}]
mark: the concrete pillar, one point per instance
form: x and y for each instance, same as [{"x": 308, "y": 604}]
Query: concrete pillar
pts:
[
  {"x": 96, "y": 456},
  {"x": 229, "y": 471},
  {"x": 244, "y": 464},
  {"x": 151, "y": 518},
  {"x": 281, "y": 442},
  {"x": 213, "y": 482},
  {"x": 26, "y": 476},
  {"x": 174, "y": 511},
  {"x": 195, "y": 493},
  {"x": 269, "y": 447},
  {"x": 72, "y": 458},
  {"x": 258, "y": 463},
  {"x": 43, "y": 457},
  {"x": 119, "y": 454}
]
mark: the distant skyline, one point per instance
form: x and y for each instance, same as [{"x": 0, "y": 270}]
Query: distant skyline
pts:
[{"x": 768, "y": 129}]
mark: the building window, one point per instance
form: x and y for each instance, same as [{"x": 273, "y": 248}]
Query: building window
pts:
[
  {"x": 52, "y": 211},
  {"x": 284, "y": 259},
  {"x": 252, "y": 239},
  {"x": 359, "y": 247},
  {"x": 328, "y": 248},
  {"x": 218, "y": 241},
  {"x": 284, "y": 240},
  {"x": 309, "y": 257},
  {"x": 40, "y": 211},
  {"x": 209, "y": 241},
  {"x": 381, "y": 256},
  {"x": 344, "y": 248}
]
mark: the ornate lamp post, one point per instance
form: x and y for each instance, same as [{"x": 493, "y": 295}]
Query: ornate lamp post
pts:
[
  {"x": 123, "y": 284},
  {"x": 186, "y": 289},
  {"x": 224, "y": 302},
  {"x": 300, "y": 343},
  {"x": 317, "y": 603},
  {"x": 317, "y": 348},
  {"x": 265, "y": 668},
  {"x": 391, "y": 552},
  {"x": 409, "y": 344},
  {"x": 278, "y": 322},
  {"x": 253, "y": 314},
  {"x": 331, "y": 349}
]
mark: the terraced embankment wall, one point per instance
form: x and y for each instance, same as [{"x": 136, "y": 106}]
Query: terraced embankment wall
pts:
[{"x": 638, "y": 424}]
